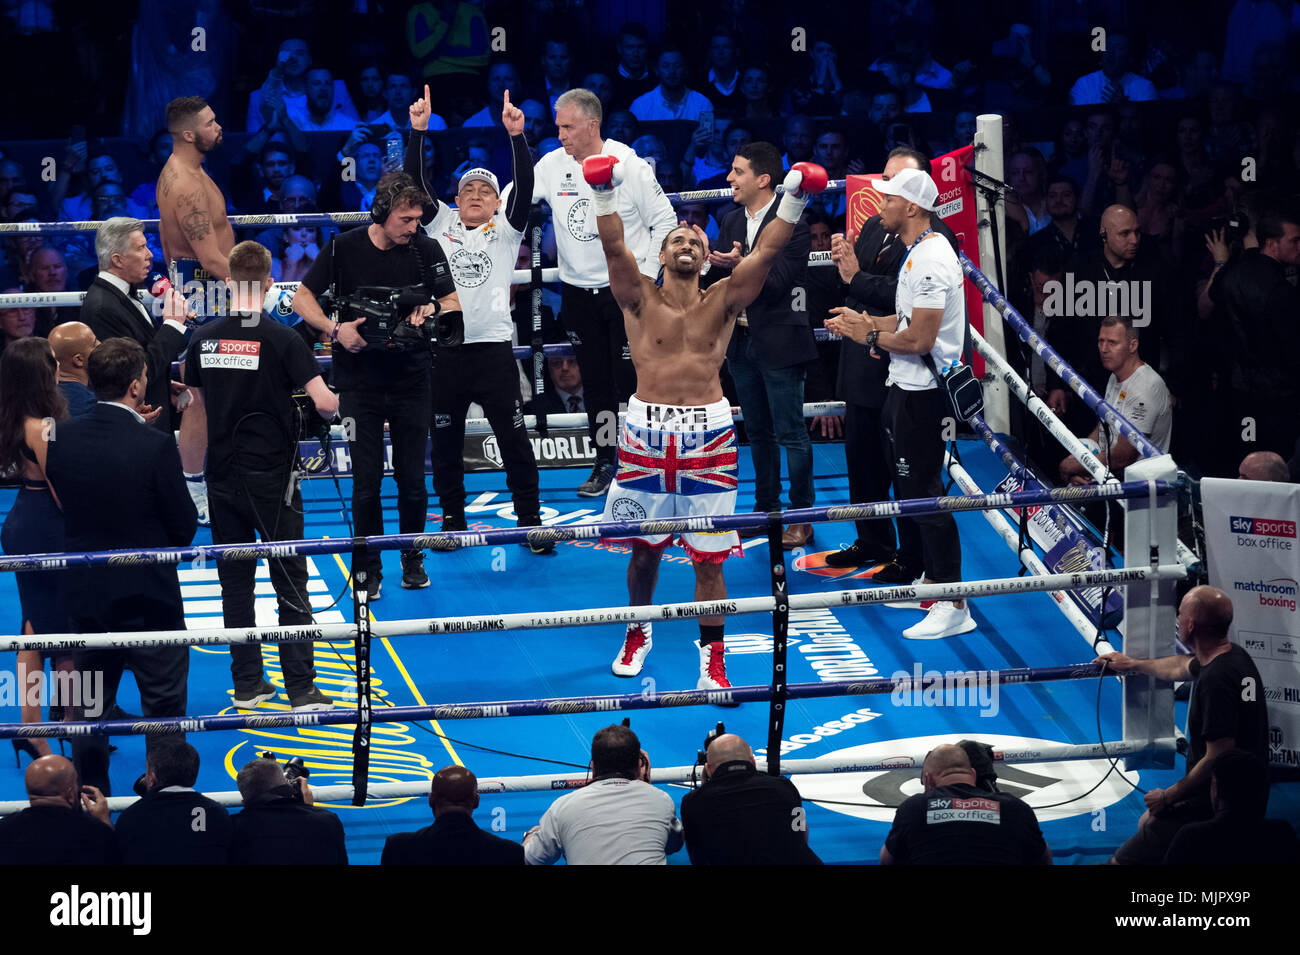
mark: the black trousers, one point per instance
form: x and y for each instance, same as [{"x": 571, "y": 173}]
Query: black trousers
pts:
[
  {"x": 594, "y": 323},
  {"x": 405, "y": 406},
  {"x": 484, "y": 372},
  {"x": 244, "y": 508},
  {"x": 869, "y": 471},
  {"x": 913, "y": 422},
  {"x": 160, "y": 673}
]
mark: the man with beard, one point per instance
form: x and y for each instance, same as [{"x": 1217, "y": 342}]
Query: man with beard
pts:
[
  {"x": 677, "y": 449},
  {"x": 196, "y": 236}
]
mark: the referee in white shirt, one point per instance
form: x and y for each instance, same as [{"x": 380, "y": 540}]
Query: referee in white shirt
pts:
[
  {"x": 590, "y": 315},
  {"x": 930, "y": 319}
]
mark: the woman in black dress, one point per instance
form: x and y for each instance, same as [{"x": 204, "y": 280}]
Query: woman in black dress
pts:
[{"x": 31, "y": 406}]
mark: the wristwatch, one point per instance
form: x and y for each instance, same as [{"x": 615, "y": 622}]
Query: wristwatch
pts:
[{"x": 872, "y": 337}]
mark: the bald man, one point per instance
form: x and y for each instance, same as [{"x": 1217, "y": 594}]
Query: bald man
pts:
[
  {"x": 956, "y": 823},
  {"x": 72, "y": 343},
  {"x": 1226, "y": 710},
  {"x": 741, "y": 816},
  {"x": 454, "y": 838},
  {"x": 54, "y": 830},
  {"x": 1148, "y": 297},
  {"x": 1263, "y": 466}
]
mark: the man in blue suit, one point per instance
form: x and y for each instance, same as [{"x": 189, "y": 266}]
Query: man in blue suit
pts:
[
  {"x": 121, "y": 485},
  {"x": 772, "y": 344}
]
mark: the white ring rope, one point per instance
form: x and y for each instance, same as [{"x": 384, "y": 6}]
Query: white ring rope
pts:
[{"x": 599, "y": 616}]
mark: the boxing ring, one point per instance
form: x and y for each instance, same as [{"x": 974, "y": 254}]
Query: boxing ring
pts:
[{"x": 494, "y": 663}]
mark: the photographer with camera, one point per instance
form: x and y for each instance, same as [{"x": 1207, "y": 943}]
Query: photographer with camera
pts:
[
  {"x": 243, "y": 370},
  {"x": 278, "y": 824},
  {"x": 481, "y": 247},
  {"x": 383, "y": 279}
]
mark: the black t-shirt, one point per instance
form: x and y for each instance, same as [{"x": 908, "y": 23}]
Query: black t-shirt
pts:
[
  {"x": 361, "y": 264},
  {"x": 248, "y": 368},
  {"x": 1217, "y": 709},
  {"x": 744, "y": 817},
  {"x": 962, "y": 825}
]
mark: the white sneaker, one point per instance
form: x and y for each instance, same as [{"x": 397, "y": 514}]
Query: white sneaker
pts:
[
  {"x": 636, "y": 645},
  {"x": 943, "y": 620},
  {"x": 713, "y": 668},
  {"x": 912, "y": 604}
]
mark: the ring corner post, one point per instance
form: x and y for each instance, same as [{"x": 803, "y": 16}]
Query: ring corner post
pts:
[
  {"x": 991, "y": 231},
  {"x": 1150, "y": 541},
  {"x": 780, "y": 630},
  {"x": 361, "y": 616}
]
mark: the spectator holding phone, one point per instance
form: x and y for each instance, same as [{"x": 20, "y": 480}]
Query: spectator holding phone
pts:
[{"x": 63, "y": 825}]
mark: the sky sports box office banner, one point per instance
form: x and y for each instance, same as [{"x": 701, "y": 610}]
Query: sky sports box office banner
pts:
[{"x": 1253, "y": 557}]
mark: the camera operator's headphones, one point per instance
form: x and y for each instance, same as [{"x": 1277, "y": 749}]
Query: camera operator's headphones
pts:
[{"x": 381, "y": 207}]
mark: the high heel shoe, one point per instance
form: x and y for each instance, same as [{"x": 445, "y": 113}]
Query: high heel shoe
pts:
[{"x": 24, "y": 746}]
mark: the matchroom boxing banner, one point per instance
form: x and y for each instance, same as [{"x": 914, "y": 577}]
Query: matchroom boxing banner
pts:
[
  {"x": 956, "y": 208},
  {"x": 1254, "y": 557}
]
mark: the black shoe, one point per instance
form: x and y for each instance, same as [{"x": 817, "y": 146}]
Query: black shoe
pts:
[
  {"x": 374, "y": 587},
  {"x": 413, "y": 575},
  {"x": 536, "y": 546},
  {"x": 598, "y": 483},
  {"x": 247, "y": 698},
  {"x": 312, "y": 700},
  {"x": 117, "y": 713},
  {"x": 895, "y": 573},
  {"x": 856, "y": 555},
  {"x": 454, "y": 522}
]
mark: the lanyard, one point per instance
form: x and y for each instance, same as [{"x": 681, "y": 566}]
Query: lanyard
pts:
[{"x": 908, "y": 255}]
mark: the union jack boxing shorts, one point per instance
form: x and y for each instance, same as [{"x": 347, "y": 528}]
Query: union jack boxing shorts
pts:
[{"x": 677, "y": 462}]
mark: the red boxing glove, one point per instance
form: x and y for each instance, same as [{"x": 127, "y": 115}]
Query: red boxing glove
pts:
[
  {"x": 813, "y": 179},
  {"x": 599, "y": 171}
]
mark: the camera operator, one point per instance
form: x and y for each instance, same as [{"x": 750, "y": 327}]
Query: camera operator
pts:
[
  {"x": 382, "y": 368},
  {"x": 481, "y": 247},
  {"x": 243, "y": 370},
  {"x": 279, "y": 825}
]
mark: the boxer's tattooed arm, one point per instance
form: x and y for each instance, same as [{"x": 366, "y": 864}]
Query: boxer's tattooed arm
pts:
[
  {"x": 165, "y": 182},
  {"x": 196, "y": 223}
]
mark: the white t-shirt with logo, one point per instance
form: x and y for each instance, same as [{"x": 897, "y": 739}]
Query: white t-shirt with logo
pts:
[
  {"x": 647, "y": 214},
  {"x": 482, "y": 264},
  {"x": 1143, "y": 399},
  {"x": 931, "y": 277}
]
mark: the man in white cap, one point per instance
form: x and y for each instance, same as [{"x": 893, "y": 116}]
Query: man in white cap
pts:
[
  {"x": 930, "y": 321},
  {"x": 481, "y": 248}
]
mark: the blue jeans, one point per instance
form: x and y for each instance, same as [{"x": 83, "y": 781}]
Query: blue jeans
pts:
[{"x": 771, "y": 400}]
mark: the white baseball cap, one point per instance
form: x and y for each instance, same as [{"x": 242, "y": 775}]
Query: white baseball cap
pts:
[
  {"x": 482, "y": 175},
  {"x": 911, "y": 184}
]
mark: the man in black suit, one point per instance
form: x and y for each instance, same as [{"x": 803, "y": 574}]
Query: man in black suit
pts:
[
  {"x": 172, "y": 824},
  {"x": 121, "y": 485},
  {"x": 454, "y": 838},
  {"x": 870, "y": 269},
  {"x": 773, "y": 343},
  {"x": 112, "y": 310},
  {"x": 279, "y": 825},
  {"x": 54, "y": 829},
  {"x": 741, "y": 816}
]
